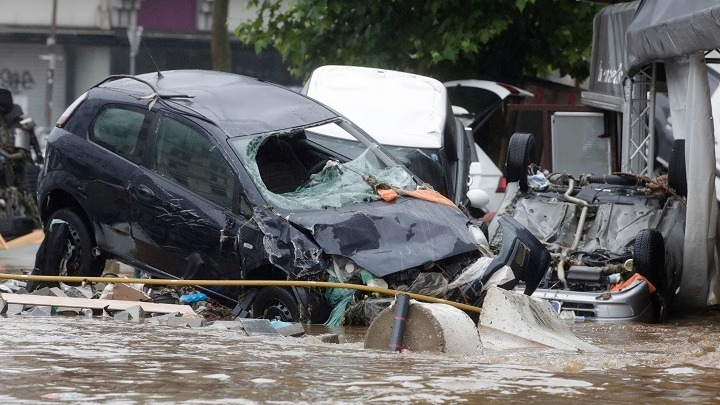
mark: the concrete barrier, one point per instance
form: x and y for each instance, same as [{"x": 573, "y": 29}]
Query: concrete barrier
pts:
[
  {"x": 511, "y": 320},
  {"x": 430, "y": 328}
]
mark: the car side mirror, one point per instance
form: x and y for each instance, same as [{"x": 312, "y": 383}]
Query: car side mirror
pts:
[
  {"x": 457, "y": 110},
  {"x": 478, "y": 197}
]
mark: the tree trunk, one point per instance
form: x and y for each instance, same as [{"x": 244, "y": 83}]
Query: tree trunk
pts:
[{"x": 220, "y": 42}]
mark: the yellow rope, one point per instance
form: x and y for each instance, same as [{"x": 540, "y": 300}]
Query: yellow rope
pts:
[{"x": 238, "y": 283}]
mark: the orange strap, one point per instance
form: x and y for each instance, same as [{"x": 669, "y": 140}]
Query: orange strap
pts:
[
  {"x": 427, "y": 195},
  {"x": 387, "y": 195},
  {"x": 625, "y": 284}
]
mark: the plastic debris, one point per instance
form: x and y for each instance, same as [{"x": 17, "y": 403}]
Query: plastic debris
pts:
[{"x": 193, "y": 297}]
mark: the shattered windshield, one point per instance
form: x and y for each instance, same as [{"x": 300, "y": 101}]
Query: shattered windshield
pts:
[
  {"x": 294, "y": 171},
  {"x": 425, "y": 163}
]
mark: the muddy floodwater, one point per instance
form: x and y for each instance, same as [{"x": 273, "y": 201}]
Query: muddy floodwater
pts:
[{"x": 79, "y": 360}]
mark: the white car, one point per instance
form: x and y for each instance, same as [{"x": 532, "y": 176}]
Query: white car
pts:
[
  {"x": 411, "y": 116},
  {"x": 479, "y": 105}
]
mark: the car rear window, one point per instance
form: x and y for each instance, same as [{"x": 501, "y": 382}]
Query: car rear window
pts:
[{"x": 118, "y": 129}]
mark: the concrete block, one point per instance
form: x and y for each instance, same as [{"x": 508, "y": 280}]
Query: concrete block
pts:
[
  {"x": 57, "y": 292},
  {"x": 294, "y": 330},
  {"x": 186, "y": 322},
  {"x": 329, "y": 338},
  {"x": 163, "y": 319},
  {"x": 510, "y": 320},
  {"x": 135, "y": 314},
  {"x": 14, "y": 309},
  {"x": 430, "y": 328},
  {"x": 67, "y": 311},
  {"x": 12, "y": 286},
  {"x": 256, "y": 327},
  {"x": 79, "y": 292},
  {"x": 124, "y": 292},
  {"x": 45, "y": 291},
  {"x": 40, "y": 311},
  {"x": 87, "y": 312},
  {"x": 227, "y": 325}
]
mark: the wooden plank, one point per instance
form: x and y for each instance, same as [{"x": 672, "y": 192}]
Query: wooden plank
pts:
[
  {"x": 91, "y": 303},
  {"x": 35, "y": 236}
]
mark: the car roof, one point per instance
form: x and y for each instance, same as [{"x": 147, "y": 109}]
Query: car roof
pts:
[
  {"x": 395, "y": 108},
  {"x": 501, "y": 89},
  {"x": 237, "y": 104}
]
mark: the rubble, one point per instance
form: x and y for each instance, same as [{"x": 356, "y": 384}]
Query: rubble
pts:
[
  {"x": 227, "y": 325},
  {"x": 135, "y": 314},
  {"x": 14, "y": 309},
  {"x": 190, "y": 322},
  {"x": 288, "y": 328},
  {"x": 124, "y": 292},
  {"x": 110, "y": 305},
  {"x": 40, "y": 311},
  {"x": 162, "y": 319},
  {"x": 255, "y": 327}
]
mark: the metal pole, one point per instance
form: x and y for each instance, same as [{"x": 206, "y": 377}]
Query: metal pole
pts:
[
  {"x": 51, "y": 67},
  {"x": 651, "y": 124},
  {"x": 134, "y": 34},
  {"x": 626, "y": 125}
]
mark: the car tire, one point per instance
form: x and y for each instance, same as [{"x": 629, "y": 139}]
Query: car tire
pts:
[
  {"x": 520, "y": 154},
  {"x": 677, "y": 175},
  {"x": 275, "y": 303},
  {"x": 79, "y": 258},
  {"x": 649, "y": 262}
]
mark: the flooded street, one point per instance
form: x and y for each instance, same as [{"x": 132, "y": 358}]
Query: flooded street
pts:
[{"x": 78, "y": 360}]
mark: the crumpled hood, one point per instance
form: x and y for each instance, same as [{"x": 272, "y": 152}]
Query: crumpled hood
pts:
[{"x": 385, "y": 238}]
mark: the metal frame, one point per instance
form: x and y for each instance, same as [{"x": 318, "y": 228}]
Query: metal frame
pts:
[{"x": 638, "y": 140}]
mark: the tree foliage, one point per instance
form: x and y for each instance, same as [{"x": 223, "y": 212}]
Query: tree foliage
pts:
[{"x": 443, "y": 38}]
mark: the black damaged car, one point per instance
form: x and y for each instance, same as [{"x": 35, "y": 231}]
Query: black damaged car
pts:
[{"x": 208, "y": 175}]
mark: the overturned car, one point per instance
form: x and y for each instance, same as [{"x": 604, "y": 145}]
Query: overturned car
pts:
[
  {"x": 208, "y": 175},
  {"x": 616, "y": 241}
]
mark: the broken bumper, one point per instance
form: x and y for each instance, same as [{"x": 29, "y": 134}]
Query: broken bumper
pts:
[{"x": 631, "y": 304}]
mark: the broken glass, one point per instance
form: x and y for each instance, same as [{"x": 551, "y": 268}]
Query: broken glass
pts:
[{"x": 338, "y": 183}]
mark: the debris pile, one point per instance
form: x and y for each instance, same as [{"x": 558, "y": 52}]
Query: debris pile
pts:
[{"x": 183, "y": 307}]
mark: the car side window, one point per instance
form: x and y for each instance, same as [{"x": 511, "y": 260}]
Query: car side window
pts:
[
  {"x": 118, "y": 130},
  {"x": 189, "y": 158}
]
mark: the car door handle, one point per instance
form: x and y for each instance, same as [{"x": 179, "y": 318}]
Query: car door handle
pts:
[{"x": 145, "y": 191}]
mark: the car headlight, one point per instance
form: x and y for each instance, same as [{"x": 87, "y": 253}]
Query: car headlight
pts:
[{"x": 478, "y": 235}]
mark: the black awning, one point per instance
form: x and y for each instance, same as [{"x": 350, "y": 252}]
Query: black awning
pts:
[{"x": 608, "y": 55}]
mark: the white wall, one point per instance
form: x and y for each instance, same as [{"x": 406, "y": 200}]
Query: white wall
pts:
[
  {"x": 87, "y": 13},
  {"x": 92, "y": 66},
  {"x": 25, "y": 74},
  {"x": 70, "y": 13}
]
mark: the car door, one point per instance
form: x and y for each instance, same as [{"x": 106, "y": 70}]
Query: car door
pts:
[
  {"x": 118, "y": 136},
  {"x": 184, "y": 205}
]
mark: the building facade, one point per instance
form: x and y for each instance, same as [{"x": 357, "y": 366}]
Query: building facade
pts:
[{"x": 92, "y": 41}]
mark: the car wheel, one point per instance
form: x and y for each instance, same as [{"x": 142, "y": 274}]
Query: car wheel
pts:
[
  {"x": 677, "y": 176},
  {"x": 649, "y": 262},
  {"x": 78, "y": 259},
  {"x": 520, "y": 152},
  {"x": 276, "y": 303}
]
